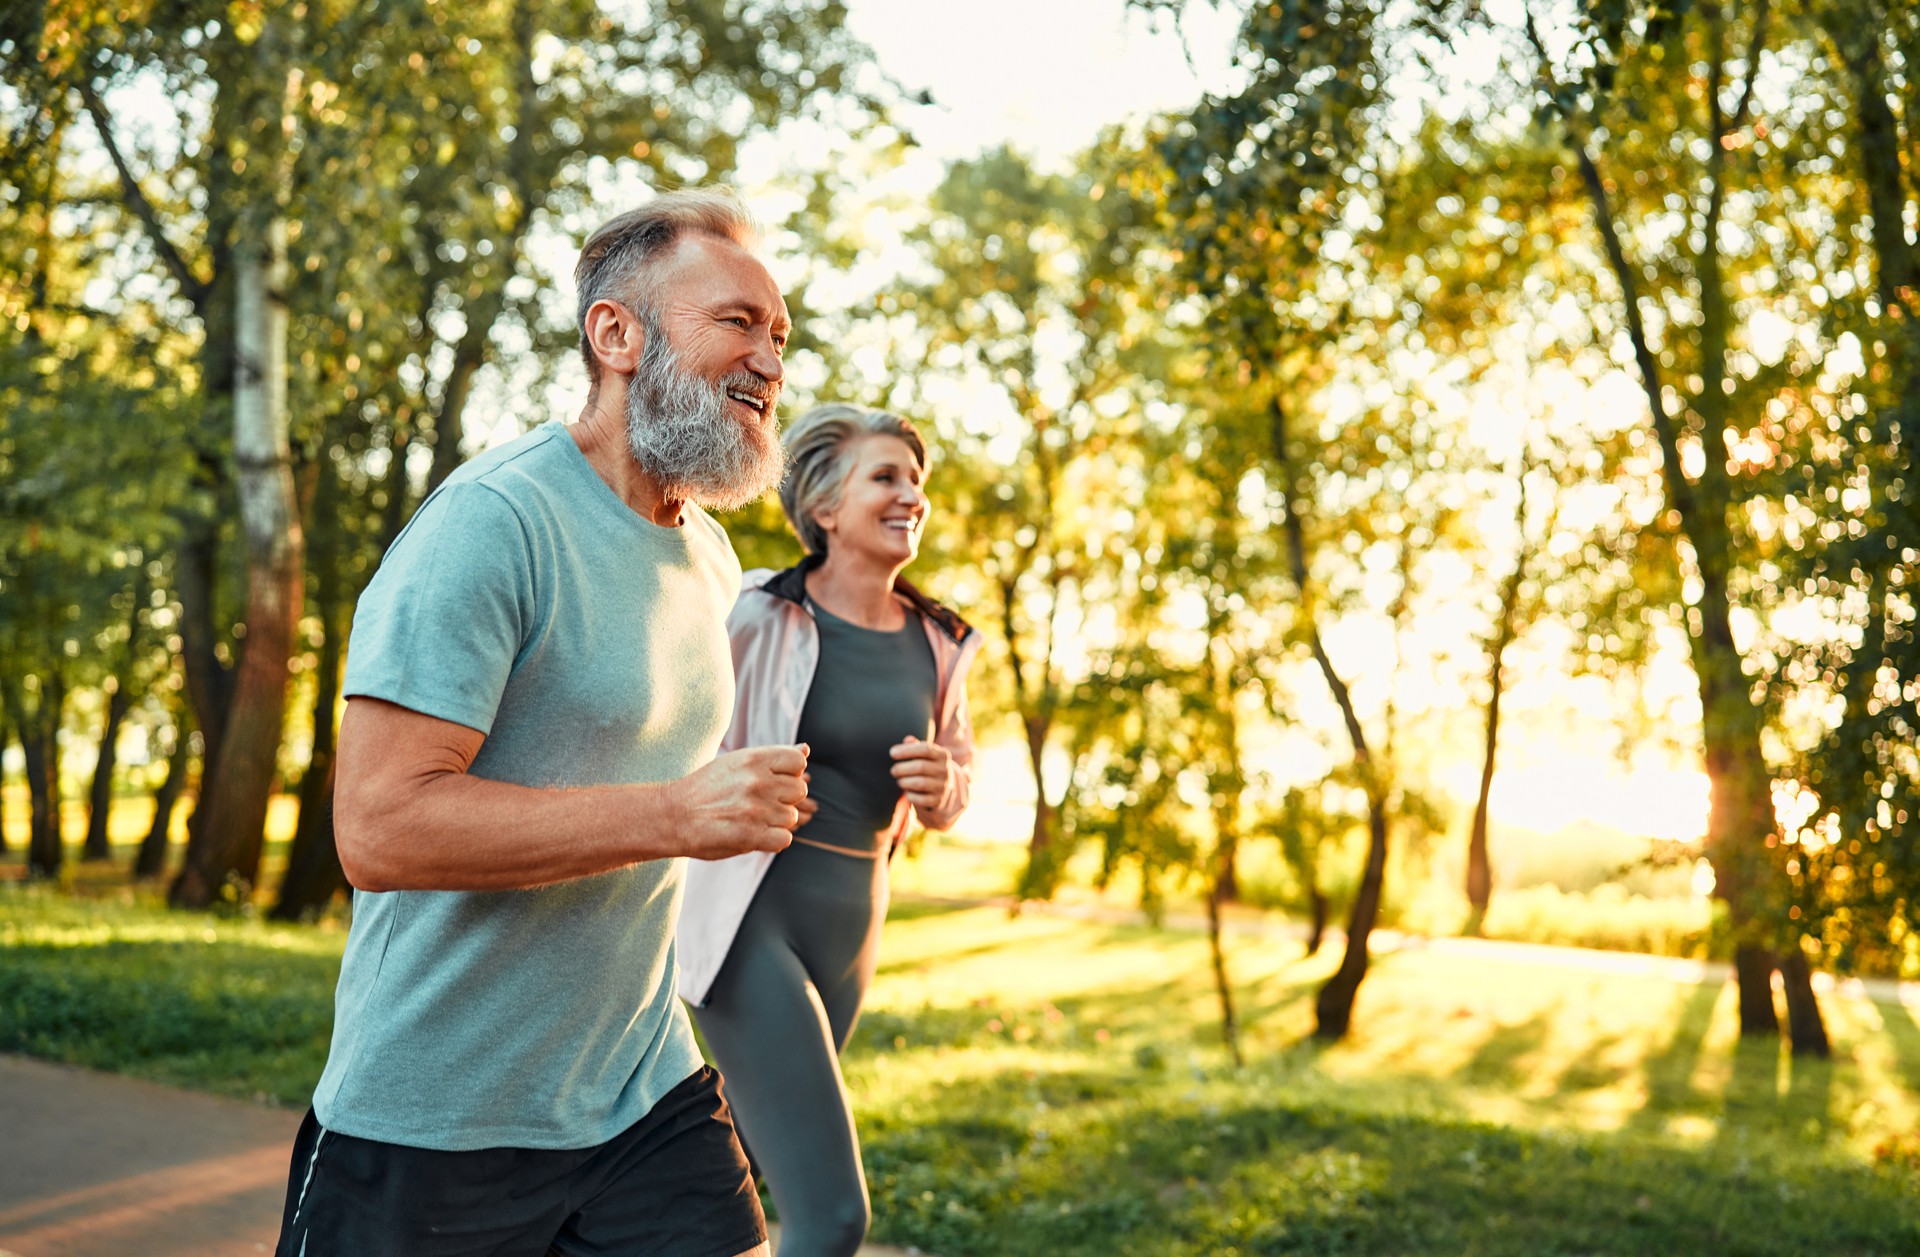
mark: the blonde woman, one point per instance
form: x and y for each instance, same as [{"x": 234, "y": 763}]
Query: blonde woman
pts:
[{"x": 776, "y": 950}]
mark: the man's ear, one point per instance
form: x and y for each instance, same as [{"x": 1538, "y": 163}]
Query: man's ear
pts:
[{"x": 615, "y": 336}]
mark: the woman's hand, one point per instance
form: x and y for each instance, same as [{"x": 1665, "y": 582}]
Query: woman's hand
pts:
[
  {"x": 809, "y": 805},
  {"x": 926, "y": 774}
]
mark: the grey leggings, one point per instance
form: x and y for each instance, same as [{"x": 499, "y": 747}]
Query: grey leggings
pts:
[{"x": 778, "y": 1016}]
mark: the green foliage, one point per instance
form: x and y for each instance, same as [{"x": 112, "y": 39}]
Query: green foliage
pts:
[
  {"x": 1106, "y": 1163},
  {"x": 1042, "y": 1086},
  {"x": 228, "y": 1006}
]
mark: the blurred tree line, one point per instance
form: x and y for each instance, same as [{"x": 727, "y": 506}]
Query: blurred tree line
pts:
[{"x": 1212, "y": 455}]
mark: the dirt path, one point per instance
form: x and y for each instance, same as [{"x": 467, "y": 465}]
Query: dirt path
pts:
[{"x": 95, "y": 1165}]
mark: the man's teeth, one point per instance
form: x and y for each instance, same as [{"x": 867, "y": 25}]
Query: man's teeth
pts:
[{"x": 758, "y": 403}]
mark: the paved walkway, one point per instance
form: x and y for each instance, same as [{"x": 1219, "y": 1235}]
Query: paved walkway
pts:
[{"x": 95, "y": 1165}]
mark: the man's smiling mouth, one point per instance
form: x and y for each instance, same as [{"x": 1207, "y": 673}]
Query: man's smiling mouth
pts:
[{"x": 759, "y": 405}]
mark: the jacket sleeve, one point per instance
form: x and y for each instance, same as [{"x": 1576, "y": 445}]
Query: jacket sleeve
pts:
[{"x": 748, "y": 629}]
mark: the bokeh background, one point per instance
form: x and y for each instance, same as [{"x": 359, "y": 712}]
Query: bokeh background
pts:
[{"x": 1434, "y": 477}]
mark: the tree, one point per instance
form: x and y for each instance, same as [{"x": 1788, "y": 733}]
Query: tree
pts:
[
  {"x": 406, "y": 186},
  {"x": 151, "y": 859},
  {"x": 1852, "y": 848},
  {"x": 1261, "y": 182},
  {"x": 227, "y": 842},
  {"x": 1035, "y": 297},
  {"x": 1616, "y": 48},
  {"x": 121, "y": 685}
]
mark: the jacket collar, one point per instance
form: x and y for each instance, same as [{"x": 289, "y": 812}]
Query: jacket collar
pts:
[{"x": 791, "y": 584}]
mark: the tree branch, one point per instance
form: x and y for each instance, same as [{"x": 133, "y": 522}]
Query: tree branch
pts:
[
  {"x": 1755, "y": 44},
  {"x": 192, "y": 286}
]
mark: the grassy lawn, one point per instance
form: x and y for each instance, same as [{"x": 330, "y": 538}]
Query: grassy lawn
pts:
[{"x": 1037, "y": 1085}]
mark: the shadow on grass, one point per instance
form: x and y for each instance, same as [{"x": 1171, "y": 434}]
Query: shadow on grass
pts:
[
  {"x": 1499, "y": 1058},
  {"x": 1020, "y": 1168},
  {"x": 946, "y": 956},
  {"x": 1669, "y": 1071},
  {"x": 1903, "y": 1032}
]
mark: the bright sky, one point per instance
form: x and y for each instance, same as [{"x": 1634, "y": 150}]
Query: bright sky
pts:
[{"x": 1044, "y": 74}]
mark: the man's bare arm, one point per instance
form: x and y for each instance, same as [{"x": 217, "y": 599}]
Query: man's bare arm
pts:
[{"x": 408, "y": 816}]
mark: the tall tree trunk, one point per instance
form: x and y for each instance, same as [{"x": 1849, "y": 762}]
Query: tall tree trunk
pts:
[
  {"x": 1317, "y": 921},
  {"x": 1740, "y": 816},
  {"x": 195, "y": 557},
  {"x": 1506, "y": 626},
  {"x": 6, "y": 738},
  {"x": 449, "y": 427},
  {"x": 313, "y": 874},
  {"x": 313, "y": 862},
  {"x": 152, "y": 860},
  {"x": 1333, "y": 1006},
  {"x": 1753, "y": 978},
  {"x": 1041, "y": 876},
  {"x": 1877, "y": 144},
  {"x": 1806, "y": 1031},
  {"x": 100, "y": 796},
  {"x": 1223, "y": 987},
  {"x": 228, "y": 843},
  {"x": 209, "y": 682},
  {"x": 1225, "y": 785},
  {"x": 529, "y": 180},
  {"x": 1035, "y": 700},
  {"x": 38, "y": 724}
]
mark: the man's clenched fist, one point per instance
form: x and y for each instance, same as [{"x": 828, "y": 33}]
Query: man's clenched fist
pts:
[{"x": 743, "y": 801}]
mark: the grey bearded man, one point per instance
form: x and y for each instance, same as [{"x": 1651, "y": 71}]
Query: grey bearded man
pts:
[{"x": 539, "y": 678}]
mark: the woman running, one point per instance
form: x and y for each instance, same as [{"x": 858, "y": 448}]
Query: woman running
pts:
[{"x": 776, "y": 950}]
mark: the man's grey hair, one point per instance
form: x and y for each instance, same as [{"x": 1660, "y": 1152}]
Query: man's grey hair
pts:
[
  {"x": 820, "y": 447},
  {"x": 616, "y": 261}
]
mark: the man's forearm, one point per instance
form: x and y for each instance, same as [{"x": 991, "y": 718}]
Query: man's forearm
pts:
[
  {"x": 454, "y": 831},
  {"x": 409, "y": 816}
]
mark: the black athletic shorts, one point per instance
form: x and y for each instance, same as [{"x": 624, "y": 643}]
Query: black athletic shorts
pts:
[{"x": 675, "y": 1184}]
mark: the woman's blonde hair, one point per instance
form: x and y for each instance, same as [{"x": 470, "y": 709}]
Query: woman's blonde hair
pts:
[{"x": 820, "y": 447}]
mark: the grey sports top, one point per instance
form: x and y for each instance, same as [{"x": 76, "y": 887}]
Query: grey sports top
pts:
[{"x": 871, "y": 689}]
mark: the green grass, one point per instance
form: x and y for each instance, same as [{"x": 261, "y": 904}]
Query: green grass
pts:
[
  {"x": 225, "y": 1005},
  {"x": 1037, "y": 1085}
]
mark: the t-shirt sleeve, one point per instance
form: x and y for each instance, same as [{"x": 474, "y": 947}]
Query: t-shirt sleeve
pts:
[{"x": 442, "y": 622}]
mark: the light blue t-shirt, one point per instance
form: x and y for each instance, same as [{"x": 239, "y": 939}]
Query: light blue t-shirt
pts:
[{"x": 527, "y": 601}]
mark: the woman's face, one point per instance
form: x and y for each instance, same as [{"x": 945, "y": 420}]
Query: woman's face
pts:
[{"x": 882, "y": 506}]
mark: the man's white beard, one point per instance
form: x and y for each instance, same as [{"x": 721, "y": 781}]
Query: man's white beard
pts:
[{"x": 682, "y": 435}]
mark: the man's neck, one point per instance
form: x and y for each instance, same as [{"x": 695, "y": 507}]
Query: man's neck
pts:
[{"x": 601, "y": 434}]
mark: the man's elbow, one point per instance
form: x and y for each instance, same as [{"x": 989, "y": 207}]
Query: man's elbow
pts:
[{"x": 362, "y": 835}]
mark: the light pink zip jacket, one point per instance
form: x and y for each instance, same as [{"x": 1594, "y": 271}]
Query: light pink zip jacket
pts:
[{"x": 776, "y": 647}]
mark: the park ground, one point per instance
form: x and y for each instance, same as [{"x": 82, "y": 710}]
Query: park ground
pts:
[{"x": 1043, "y": 1083}]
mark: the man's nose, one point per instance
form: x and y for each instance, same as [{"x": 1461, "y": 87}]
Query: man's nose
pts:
[{"x": 765, "y": 360}]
